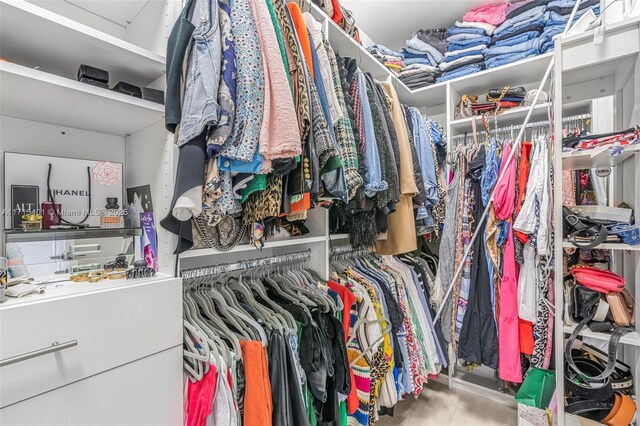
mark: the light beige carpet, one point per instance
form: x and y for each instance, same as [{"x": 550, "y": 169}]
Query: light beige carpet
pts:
[{"x": 439, "y": 406}]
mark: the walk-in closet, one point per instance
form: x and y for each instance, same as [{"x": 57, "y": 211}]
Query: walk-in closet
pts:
[{"x": 319, "y": 212}]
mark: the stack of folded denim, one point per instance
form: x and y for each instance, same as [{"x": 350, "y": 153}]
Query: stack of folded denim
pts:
[
  {"x": 520, "y": 35},
  {"x": 415, "y": 76},
  {"x": 390, "y": 58},
  {"x": 559, "y": 12},
  {"x": 422, "y": 54},
  {"x": 468, "y": 41}
]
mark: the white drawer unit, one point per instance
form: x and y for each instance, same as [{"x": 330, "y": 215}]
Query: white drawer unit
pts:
[
  {"x": 94, "y": 332},
  {"x": 144, "y": 392}
]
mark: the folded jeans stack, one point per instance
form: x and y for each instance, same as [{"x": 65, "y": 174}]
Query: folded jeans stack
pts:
[
  {"x": 422, "y": 54},
  {"x": 469, "y": 40},
  {"x": 559, "y": 12},
  {"x": 520, "y": 35},
  {"x": 390, "y": 58}
]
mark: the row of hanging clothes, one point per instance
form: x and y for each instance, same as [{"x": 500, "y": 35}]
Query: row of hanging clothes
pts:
[
  {"x": 498, "y": 310},
  {"x": 270, "y": 122},
  {"x": 263, "y": 347},
  {"x": 269, "y": 342},
  {"x": 393, "y": 345}
]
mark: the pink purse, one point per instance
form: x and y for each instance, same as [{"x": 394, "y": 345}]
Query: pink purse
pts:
[{"x": 597, "y": 279}]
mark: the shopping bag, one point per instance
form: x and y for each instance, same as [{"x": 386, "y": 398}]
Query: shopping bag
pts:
[{"x": 537, "y": 388}]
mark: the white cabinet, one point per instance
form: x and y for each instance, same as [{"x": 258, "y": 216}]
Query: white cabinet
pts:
[
  {"x": 144, "y": 392},
  {"x": 112, "y": 327}
]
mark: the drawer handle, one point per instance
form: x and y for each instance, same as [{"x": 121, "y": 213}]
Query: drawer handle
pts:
[{"x": 55, "y": 347}]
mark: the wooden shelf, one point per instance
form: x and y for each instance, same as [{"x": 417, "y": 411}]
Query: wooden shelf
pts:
[
  {"x": 38, "y": 96},
  {"x": 606, "y": 246},
  {"x": 598, "y": 157},
  {"x": 248, "y": 247},
  {"x": 35, "y": 37},
  {"x": 632, "y": 339}
]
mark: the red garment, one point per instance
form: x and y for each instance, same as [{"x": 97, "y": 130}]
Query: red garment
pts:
[
  {"x": 337, "y": 12},
  {"x": 348, "y": 299},
  {"x": 200, "y": 396},
  {"x": 258, "y": 406},
  {"x": 523, "y": 176},
  {"x": 526, "y": 337}
]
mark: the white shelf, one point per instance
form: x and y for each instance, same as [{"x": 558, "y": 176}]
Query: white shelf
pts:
[
  {"x": 606, "y": 246},
  {"x": 38, "y": 96},
  {"x": 338, "y": 237},
  {"x": 35, "y": 37},
  {"x": 248, "y": 247},
  {"x": 69, "y": 288},
  {"x": 594, "y": 158},
  {"x": 632, "y": 339},
  {"x": 505, "y": 118}
]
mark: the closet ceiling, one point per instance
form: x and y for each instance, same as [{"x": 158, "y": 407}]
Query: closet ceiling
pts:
[{"x": 391, "y": 22}]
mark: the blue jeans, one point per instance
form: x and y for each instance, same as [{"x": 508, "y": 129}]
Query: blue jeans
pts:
[
  {"x": 463, "y": 36},
  {"x": 457, "y": 30},
  {"x": 384, "y": 50},
  {"x": 200, "y": 107},
  {"x": 468, "y": 42},
  {"x": 511, "y": 41},
  {"x": 552, "y": 31},
  {"x": 498, "y": 61},
  {"x": 452, "y": 58},
  {"x": 460, "y": 72},
  {"x": 524, "y": 18},
  {"x": 533, "y": 44},
  {"x": 422, "y": 61},
  {"x": 420, "y": 46},
  {"x": 547, "y": 46},
  {"x": 457, "y": 46}
]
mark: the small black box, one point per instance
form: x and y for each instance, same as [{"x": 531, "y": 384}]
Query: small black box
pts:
[
  {"x": 128, "y": 89},
  {"x": 153, "y": 95},
  {"x": 87, "y": 71},
  {"x": 93, "y": 82}
]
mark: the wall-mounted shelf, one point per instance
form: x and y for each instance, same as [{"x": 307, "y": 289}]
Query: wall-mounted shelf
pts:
[
  {"x": 35, "y": 37},
  {"x": 249, "y": 248},
  {"x": 632, "y": 338},
  {"x": 39, "y": 96},
  {"x": 17, "y": 235},
  {"x": 593, "y": 158},
  {"x": 607, "y": 246}
]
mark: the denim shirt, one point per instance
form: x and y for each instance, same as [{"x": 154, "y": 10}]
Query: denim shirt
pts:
[
  {"x": 200, "y": 107},
  {"x": 373, "y": 178},
  {"x": 427, "y": 165}
]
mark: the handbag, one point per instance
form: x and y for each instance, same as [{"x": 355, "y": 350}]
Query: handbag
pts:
[
  {"x": 584, "y": 232},
  {"x": 223, "y": 235},
  {"x": 496, "y": 95},
  {"x": 537, "y": 388},
  {"x": 622, "y": 307},
  {"x": 601, "y": 280},
  {"x": 463, "y": 109},
  {"x": 588, "y": 305}
]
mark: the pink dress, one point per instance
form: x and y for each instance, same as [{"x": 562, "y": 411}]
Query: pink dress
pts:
[{"x": 508, "y": 339}]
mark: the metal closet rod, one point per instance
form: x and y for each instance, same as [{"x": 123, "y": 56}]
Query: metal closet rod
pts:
[
  {"x": 519, "y": 126},
  {"x": 243, "y": 265},
  {"x": 350, "y": 250}
]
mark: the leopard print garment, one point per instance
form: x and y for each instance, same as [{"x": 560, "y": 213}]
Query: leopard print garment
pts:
[{"x": 264, "y": 204}]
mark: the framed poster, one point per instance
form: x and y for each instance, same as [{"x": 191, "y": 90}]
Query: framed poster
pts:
[{"x": 80, "y": 186}]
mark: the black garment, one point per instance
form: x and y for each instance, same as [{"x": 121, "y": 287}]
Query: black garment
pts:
[
  {"x": 437, "y": 38},
  {"x": 527, "y": 28},
  {"x": 191, "y": 162},
  {"x": 286, "y": 396},
  {"x": 177, "y": 44},
  {"x": 421, "y": 196},
  {"x": 393, "y": 136},
  {"x": 531, "y": 27},
  {"x": 526, "y": 7},
  {"x": 478, "y": 335}
]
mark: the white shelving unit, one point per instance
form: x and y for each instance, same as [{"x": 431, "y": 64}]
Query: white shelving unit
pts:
[
  {"x": 43, "y": 110},
  {"x": 614, "y": 67}
]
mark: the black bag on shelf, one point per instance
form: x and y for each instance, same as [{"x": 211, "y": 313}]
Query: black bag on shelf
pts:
[
  {"x": 128, "y": 89},
  {"x": 87, "y": 72}
]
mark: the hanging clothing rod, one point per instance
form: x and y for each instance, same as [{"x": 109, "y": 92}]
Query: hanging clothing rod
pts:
[
  {"x": 244, "y": 265},
  {"x": 510, "y": 158},
  {"x": 350, "y": 250},
  {"x": 573, "y": 118}
]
